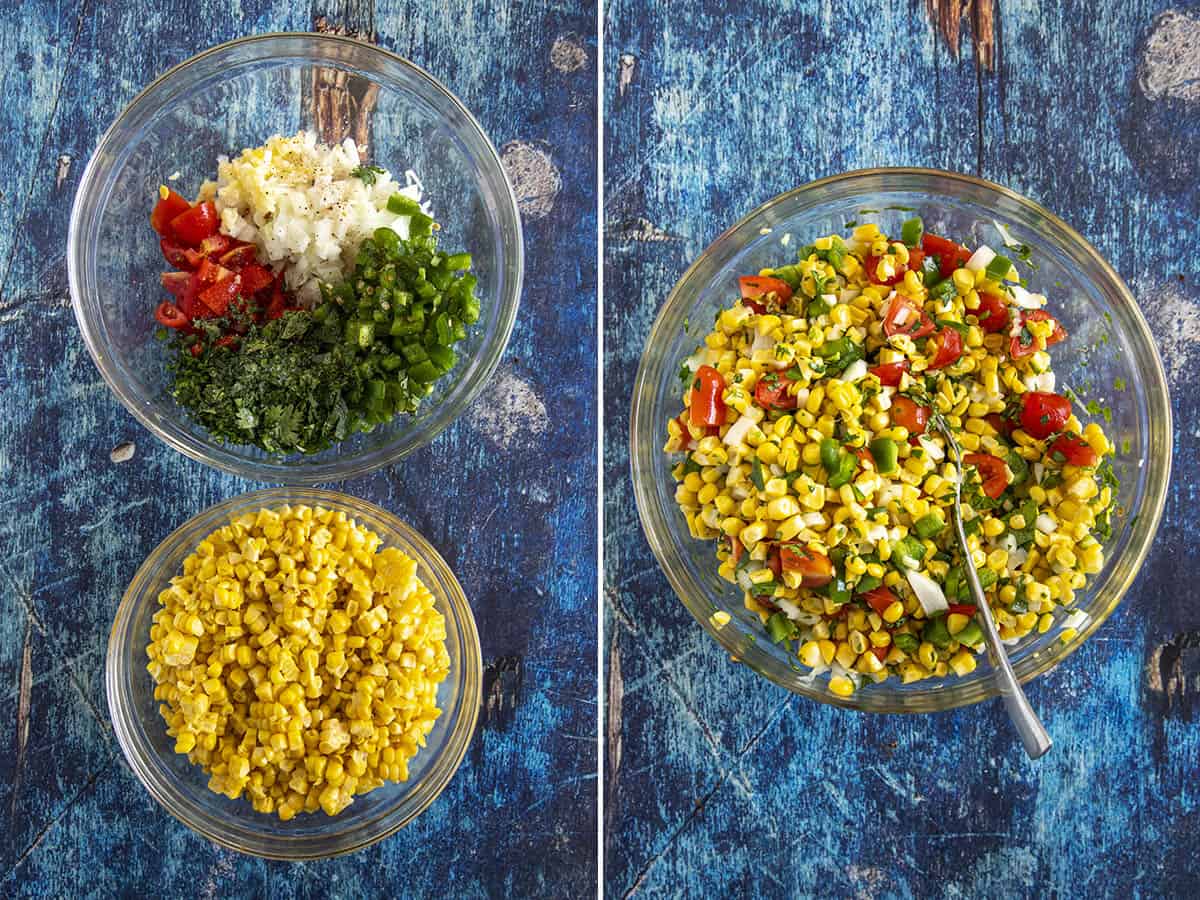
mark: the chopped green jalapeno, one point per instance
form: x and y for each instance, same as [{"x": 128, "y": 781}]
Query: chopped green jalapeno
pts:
[
  {"x": 885, "y": 452},
  {"x": 912, "y": 231}
]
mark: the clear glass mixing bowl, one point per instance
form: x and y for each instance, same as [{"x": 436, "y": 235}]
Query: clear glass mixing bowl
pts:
[
  {"x": 181, "y": 787},
  {"x": 235, "y": 96},
  {"x": 1085, "y": 294}
]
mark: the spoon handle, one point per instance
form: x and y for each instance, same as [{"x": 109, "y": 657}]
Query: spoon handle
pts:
[{"x": 1033, "y": 734}]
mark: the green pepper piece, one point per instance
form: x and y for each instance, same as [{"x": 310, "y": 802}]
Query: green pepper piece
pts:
[
  {"x": 911, "y": 231},
  {"x": 929, "y": 526},
  {"x": 907, "y": 643},
  {"x": 885, "y": 452},
  {"x": 831, "y": 452},
  {"x": 779, "y": 628},
  {"x": 972, "y": 634},
  {"x": 400, "y": 205},
  {"x": 936, "y": 632},
  {"x": 847, "y": 464}
]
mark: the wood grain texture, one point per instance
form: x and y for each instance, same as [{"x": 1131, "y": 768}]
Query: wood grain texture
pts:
[
  {"x": 720, "y": 784},
  {"x": 513, "y": 511}
]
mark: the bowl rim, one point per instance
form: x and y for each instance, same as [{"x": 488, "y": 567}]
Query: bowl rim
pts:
[
  {"x": 1158, "y": 402},
  {"x": 461, "y": 731},
  {"x": 295, "y": 471}
]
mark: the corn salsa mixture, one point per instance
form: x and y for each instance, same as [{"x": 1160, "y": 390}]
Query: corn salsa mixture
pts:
[
  {"x": 809, "y": 456},
  {"x": 297, "y": 662}
]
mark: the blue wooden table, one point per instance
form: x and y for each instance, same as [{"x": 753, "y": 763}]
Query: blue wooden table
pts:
[
  {"x": 721, "y": 784},
  {"x": 516, "y": 520}
]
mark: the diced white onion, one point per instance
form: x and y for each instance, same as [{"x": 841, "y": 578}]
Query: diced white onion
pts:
[
  {"x": 1045, "y": 524},
  {"x": 877, "y": 533},
  {"x": 1038, "y": 471},
  {"x": 1016, "y": 559},
  {"x": 762, "y": 342},
  {"x": 884, "y": 398},
  {"x": 788, "y": 608},
  {"x": 845, "y": 295},
  {"x": 738, "y": 430},
  {"x": 928, "y": 593},
  {"x": 830, "y": 299},
  {"x": 813, "y": 519},
  {"x": 856, "y": 371},
  {"x": 902, "y": 315},
  {"x": 1077, "y": 620},
  {"x": 935, "y": 452},
  {"x": 980, "y": 258},
  {"x": 1026, "y": 299}
]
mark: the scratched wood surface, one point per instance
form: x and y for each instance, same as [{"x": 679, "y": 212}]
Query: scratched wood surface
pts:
[
  {"x": 513, "y": 511},
  {"x": 719, "y": 783}
]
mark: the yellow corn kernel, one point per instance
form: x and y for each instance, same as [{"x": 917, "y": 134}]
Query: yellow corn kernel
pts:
[
  {"x": 963, "y": 663},
  {"x": 841, "y": 686},
  {"x": 810, "y": 654}
]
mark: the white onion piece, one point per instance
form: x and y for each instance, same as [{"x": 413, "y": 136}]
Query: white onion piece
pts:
[
  {"x": 856, "y": 371},
  {"x": 928, "y": 593},
  {"x": 936, "y": 453},
  {"x": 980, "y": 258},
  {"x": 1026, "y": 299},
  {"x": 1045, "y": 524},
  {"x": 1077, "y": 620},
  {"x": 738, "y": 430}
]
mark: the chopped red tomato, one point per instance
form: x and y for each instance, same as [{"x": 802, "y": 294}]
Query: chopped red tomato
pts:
[
  {"x": 905, "y": 316},
  {"x": 216, "y": 244},
  {"x": 198, "y": 223},
  {"x": 176, "y": 254},
  {"x": 736, "y": 549},
  {"x": 278, "y": 303},
  {"x": 238, "y": 256},
  {"x": 871, "y": 265},
  {"x": 755, "y": 287},
  {"x": 183, "y": 286},
  {"x": 707, "y": 406},
  {"x": 882, "y": 652},
  {"x": 1073, "y": 450},
  {"x": 889, "y": 373},
  {"x": 775, "y": 562},
  {"x": 210, "y": 272},
  {"x": 1042, "y": 414},
  {"x": 774, "y": 395},
  {"x": 255, "y": 278},
  {"x": 227, "y": 340},
  {"x": 992, "y": 313},
  {"x": 167, "y": 209},
  {"x": 950, "y": 256},
  {"x": 949, "y": 345},
  {"x": 1022, "y": 344},
  {"x": 815, "y": 568},
  {"x": 170, "y": 315},
  {"x": 906, "y": 413},
  {"x": 217, "y": 296},
  {"x": 962, "y": 609},
  {"x": 879, "y": 599},
  {"x": 992, "y": 472},
  {"x": 1000, "y": 423}
]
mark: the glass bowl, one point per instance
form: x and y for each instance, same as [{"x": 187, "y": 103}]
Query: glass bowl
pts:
[
  {"x": 181, "y": 787},
  {"x": 1109, "y": 339},
  {"x": 237, "y": 95}
]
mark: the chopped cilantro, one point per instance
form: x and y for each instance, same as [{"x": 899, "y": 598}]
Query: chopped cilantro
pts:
[{"x": 366, "y": 173}]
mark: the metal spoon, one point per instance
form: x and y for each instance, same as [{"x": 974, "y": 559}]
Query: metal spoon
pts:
[{"x": 1029, "y": 726}]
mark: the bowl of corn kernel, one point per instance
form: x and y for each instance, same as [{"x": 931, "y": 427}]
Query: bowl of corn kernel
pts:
[
  {"x": 787, "y": 473},
  {"x": 294, "y": 673}
]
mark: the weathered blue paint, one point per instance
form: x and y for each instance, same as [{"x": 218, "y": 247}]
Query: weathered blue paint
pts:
[
  {"x": 720, "y": 784},
  {"x": 513, "y": 511}
]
